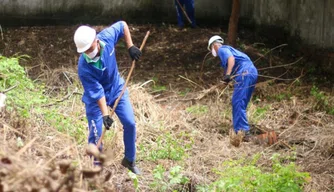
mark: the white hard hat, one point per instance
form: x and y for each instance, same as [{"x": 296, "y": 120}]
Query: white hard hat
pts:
[
  {"x": 213, "y": 39},
  {"x": 84, "y": 36}
]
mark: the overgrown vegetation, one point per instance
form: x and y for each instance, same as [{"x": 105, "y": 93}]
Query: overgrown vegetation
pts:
[
  {"x": 24, "y": 95},
  {"x": 322, "y": 101},
  {"x": 167, "y": 146},
  {"x": 245, "y": 175},
  {"x": 172, "y": 180},
  {"x": 28, "y": 99},
  {"x": 197, "y": 109}
]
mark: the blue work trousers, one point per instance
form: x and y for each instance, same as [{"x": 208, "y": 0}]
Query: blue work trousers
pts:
[
  {"x": 243, "y": 89},
  {"x": 190, "y": 10},
  {"x": 125, "y": 113}
]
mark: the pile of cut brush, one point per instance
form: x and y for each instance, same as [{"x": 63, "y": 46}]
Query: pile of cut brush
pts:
[{"x": 42, "y": 159}]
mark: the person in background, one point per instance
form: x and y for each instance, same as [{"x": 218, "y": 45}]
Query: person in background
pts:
[
  {"x": 190, "y": 10},
  {"x": 240, "y": 69},
  {"x": 102, "y": 83}
]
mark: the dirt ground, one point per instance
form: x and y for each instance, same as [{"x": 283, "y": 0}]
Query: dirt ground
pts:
[{"x": 174, "y": 61}]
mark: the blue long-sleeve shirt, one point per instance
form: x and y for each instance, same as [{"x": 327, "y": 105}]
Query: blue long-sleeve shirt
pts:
[
  {"x": 242, "y": 61},
  {"x": 107, "y": 81}
]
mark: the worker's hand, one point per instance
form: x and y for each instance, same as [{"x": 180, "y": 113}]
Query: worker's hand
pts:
[
  {"x": 227, "y": 78},
  {"x": 134, "y": 52},
  {"x": 107, "y": 121}
]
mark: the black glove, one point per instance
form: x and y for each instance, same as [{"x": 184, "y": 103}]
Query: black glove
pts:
[
  {"x": 107, "y": 121},
  {"x": 134, "y": 52},
  {"x": 227, "y": 78}
]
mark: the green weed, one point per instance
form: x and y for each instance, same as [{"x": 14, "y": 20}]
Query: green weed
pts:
[
  {"x": 259, "y": 113},
  {"x": 173, "y": 180},
  {"x": 243, "y": 175},
  {"x": 322, "y": 101},
  {"x": 197, "y": 109},
  {"x": 156, "y": 87},
  {"x": 185, "y": 92},
  {"x": 282, "y": 96},
  {"x": 27, "y": 99},
  {"x": 279, "y": 97},
  {"x": 135, "y": 180},
  {"x": 167, "y": 146},
  {"x": 25, "y": 95}
]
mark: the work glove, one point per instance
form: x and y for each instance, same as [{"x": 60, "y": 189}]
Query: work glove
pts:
[
  {"x": 227, "y": 78},
  {"x": 134, "y": 52},
  {"x": 107, "y": 121}
]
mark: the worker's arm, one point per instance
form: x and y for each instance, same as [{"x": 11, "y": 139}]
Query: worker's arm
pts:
[
  {"x": 134, "y": 52},
  {"x": 127, "y": 35},
  {"x": 230, "y": 65},
  {"x": 103, "y": 106}
]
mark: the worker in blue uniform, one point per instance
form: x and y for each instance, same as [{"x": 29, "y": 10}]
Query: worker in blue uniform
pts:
[
  {"x": 102, "y": 83},
  {"x": 190, "y": 10},
  {"x": 239, "y": 68}
]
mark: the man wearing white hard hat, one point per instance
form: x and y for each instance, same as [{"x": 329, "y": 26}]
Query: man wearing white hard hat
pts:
[
  {"x": 102, "y": 83},
  {"x": 239, "y": 68}
]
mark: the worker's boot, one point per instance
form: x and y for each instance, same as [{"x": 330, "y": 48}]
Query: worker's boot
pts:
[
  {"x": 131, "y": 166},
  {"x": 247, "y": 137}
]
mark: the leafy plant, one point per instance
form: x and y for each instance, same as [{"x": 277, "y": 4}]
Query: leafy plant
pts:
[
  {"x": 168, "y": 181},
  {"x": 156, "y": 87},
  {"x": 135, "y": 180},
  {"x": 197, "y": 109},
  {"x": 25, "y": 95},
  {"x": 183, "y": 93},
  {"x": 259, "y": 114},
  {"x": 282, "y": 96},
  {"x": 243, "y": 175},
  {"x": 322, "y": 101},
  {"x": 167, "y": 147},
  {"x": 27, "y": 98},
  {"x": 66, "y": 124}
]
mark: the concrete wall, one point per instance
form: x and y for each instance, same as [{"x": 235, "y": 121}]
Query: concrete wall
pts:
[
  {"x": 311, "y": 20},
  {"x": 72, "y": 11}
]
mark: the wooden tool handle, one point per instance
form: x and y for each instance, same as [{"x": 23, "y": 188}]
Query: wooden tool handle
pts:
[{"x": 124, "y": 88}]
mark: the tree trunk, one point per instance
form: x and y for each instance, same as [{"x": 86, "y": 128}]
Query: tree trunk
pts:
[{"x": 233, "y": 24}]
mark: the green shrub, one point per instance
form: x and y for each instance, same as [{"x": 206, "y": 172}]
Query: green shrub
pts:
[
  {"x": 173, "y": 180},
  {"x": 26, "y": 94},
  {"x": 167, "y": 146},
  {"x": 197, "y": 109},
  {"x": 27, "y": 99},
  {"x": 322, "y": 101},
  {"x": 243, "y": 175}
]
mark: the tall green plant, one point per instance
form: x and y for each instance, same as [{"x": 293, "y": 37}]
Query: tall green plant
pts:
[
  {"x": 27, "y": 98},
  {"x": 172, "y": 180},
  {"x": 25, "y": 95}
]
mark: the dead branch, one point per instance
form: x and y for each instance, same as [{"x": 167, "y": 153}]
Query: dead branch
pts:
[
  {"x": 284, "y": 65},
  {"x": 201, "y": 73},
  {"x": 206, "y": 92},
  {"x": 192, "y": 82},
  {"x": 270, "y": 51},
  {"x": 75, "y": 92},
  {"x": 10, "y": 88}
]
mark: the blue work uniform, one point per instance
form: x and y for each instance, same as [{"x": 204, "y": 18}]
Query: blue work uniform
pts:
[
  {"x": 190, "y": 10},
  {"x": 245, "y": 77},
  {"x": 106, "y": 81}
]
